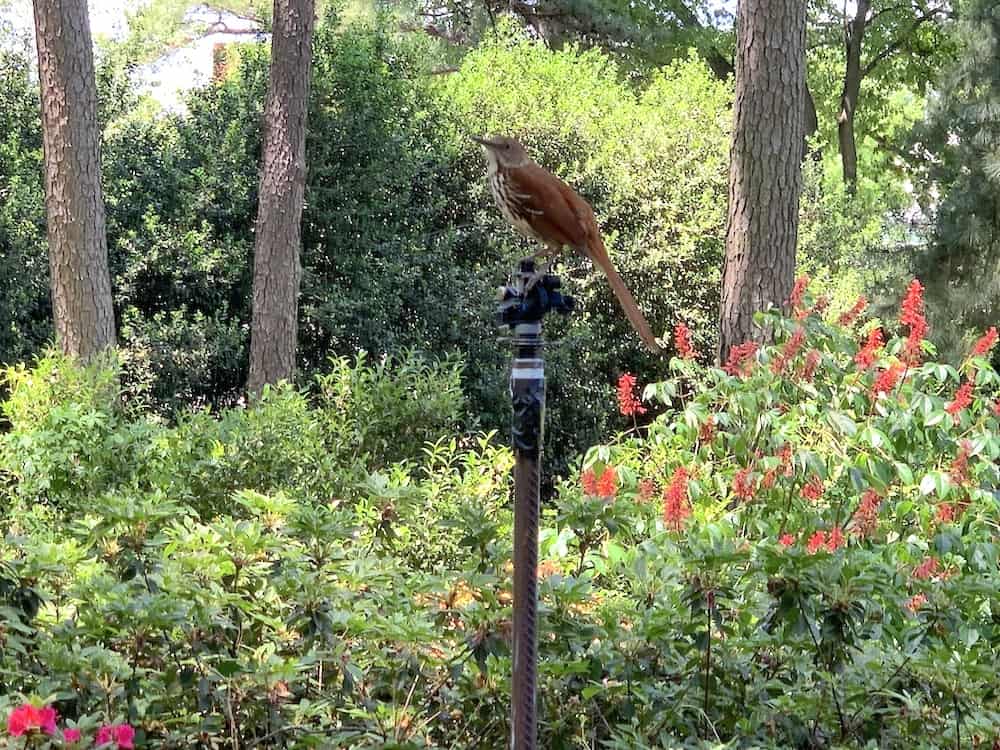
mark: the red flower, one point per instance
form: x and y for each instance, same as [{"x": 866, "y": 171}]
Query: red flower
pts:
[
  {"x": 912, "y": 315},
  {"x": 71, "y": 735},
  {"x": 743, "y": 485},
  {"x": 788, "y": 352},
  {"x": 996, "y": 408},
  {"x": 628, "y": 404},
  {"x": 28, "y": 718},
  {"x": 647, "y": 488},
  {"x": 887, "y": 379},
  {"x": 607, "y": 485},
  {"x": 813, "y": 491},
  {"x": 926, "y": 569},
  {"x": 682, "y": 341},
  {"x": 795, "y": 299},
  {"x": 770, "y": 478},
  {"x": 963, "y": 397},
  {"x": 816, "y": 542},
  {"x": 811, "y": 363},
  {"x": 835, "y": 540},
  {"x": 945, "y": 513},
  {"x": 121, "y": 734},
  {"x": 865, "y": 358},
  {"x": 915, "y": 602},
  {"x": 588, "y": 480},
  {"x": 960, "y": 464},
  {"x": 848, "y": 317},
  {"x": 986, "y": 342},
  {"x": 785, "y": 456},
  {"x": 820, "y": 307},
  {"x": 865, "y": 519},
  {"x": 706, "y": 433},
  {"x": 741, "y": 358},
  {"x": 786, "y": 540},
  {"x": 676, "y": 507}
]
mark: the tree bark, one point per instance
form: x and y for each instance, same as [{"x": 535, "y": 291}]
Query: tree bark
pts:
[
  {"x": 276, "y": 272},
  {"x": 854, "y": 32},
  {"x": 74, "y": 204},
  {"x": 765, "y": 175}
]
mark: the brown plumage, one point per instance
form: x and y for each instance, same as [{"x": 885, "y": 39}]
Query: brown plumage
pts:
[{"x": 545, "y": 209}]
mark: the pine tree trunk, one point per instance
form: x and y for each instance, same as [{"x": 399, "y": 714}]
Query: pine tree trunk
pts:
[
  {"x": 276, "y": 271},
  {"x": 765, "y": 176},
  {"x": 74, "y": 204}
]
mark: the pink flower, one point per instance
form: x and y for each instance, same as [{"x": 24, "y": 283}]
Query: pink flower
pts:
[
  {"x": 810, "y": 365},
  {"x": 865, "y": 519},
  {"x": 28, "y": 718},
  {"x": 744, "y": 486},
  {"x": 588, "y": 480},
  {"x": 915, "y": 602},
  {"x": 927, "y": 568},
  {"x": 835, "y": 540},
  {"x": 813, "y": 491},
  {"x": 628, "y": 403},
  {"x": 71, "y": 735},
  {"x": 706, "y": 433},
  {"x": 798, "y": 291},
  {"x": 122, "y": 735},
  {"x": 786, "y": 540},
  {"x": 960, "y": 464}
]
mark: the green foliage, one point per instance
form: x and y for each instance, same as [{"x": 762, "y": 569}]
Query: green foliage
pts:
[
  {"x": 957, "y": 159},
  {"x": 378, "y": 615}
]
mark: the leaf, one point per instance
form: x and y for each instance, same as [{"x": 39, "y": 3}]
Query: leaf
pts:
[
  {"x": 904, "y": 473},
  {"x": 842, "y": 422},
  {"x": 927, "y": 484}
]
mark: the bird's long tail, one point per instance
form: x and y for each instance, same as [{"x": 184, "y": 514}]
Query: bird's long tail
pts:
[{"x": 600, "y": 257}]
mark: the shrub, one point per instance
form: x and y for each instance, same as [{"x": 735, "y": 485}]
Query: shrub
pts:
[{"x": 801, "y": 551}]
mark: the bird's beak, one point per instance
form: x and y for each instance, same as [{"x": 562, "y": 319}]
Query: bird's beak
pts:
[{"x": 485, "y": 142}]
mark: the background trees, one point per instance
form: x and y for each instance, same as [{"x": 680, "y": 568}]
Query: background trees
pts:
[
  {"x": 277, "y": 231},
  {"x": 765, "y": 176},
  {"x": 78, "y": 253}
]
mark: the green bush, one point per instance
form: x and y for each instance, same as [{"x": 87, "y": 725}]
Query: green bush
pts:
[{"x": 800, "y": 552}]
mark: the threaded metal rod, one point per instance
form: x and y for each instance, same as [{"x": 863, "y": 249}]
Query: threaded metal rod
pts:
[
  {"x": 527, "y": 386},
  {"x": 524, "y": 721}
]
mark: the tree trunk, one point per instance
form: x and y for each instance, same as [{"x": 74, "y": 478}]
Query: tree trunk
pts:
[
  {"x": 765, "y": 174},
  {"x": 74, "y": 204},
  {"x": 276, "y": 270},
  {"x": 854, "y": 32}
]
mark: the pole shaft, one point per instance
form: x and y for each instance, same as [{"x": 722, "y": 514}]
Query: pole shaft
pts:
[{"x": 528, "y": 397}]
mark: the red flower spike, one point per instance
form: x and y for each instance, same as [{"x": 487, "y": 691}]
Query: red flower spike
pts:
[
  {"x": 786, "y": 540},
  {"x": 816, "y": 542},
  {"x": 865, "y": 519},
  {"x": 788, "y": 351},
  {"x": 929, "y": 567},
  {"x": 813, "y": 491},
  {"x": 960, "y": 464},
  {"x": 741, "y": 359},
  {"x": 682, "y": 341},
  {"x": 607, "y": 485},
  {"x": 810, "y": 365},
  {"x": 835, "y": 540},
  {"x": 820, "y": 307},
  {"x": 706, "y": 432},
  {"x": 743, "y": 485},
  {"x": 588, "y": 480},
  {"x": 915, "y": 602},
  {"x": 865, "y": 358},
  {"x": 945, "y": 513},
  {"x": 785, "y": 456},
  {"x": 912, "y": 315},
  {"x": 848, "y": 317},
  {"x": 770, "y": 479},
  {"x": 963, "y": 397},
  {"x": 798, "y": 291},
  {"x": 647, "y": 488},
  {"x": 985, "y": 343},
  {"x": 887, "y": 379},
  {"x": 676, "y": 507},
  {"x": 628, "y": 403}
]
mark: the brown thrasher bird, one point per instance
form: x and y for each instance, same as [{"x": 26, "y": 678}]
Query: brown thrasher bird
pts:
[{"x": 544, "y": 208}]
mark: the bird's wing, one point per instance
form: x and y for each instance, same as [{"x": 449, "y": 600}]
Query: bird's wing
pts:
[{"x": 543, "y": 197}]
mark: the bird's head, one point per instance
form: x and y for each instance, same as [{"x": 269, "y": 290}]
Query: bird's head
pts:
[{"x": 503, "y": 151}]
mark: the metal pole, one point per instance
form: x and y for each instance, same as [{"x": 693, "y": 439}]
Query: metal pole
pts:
[
  {"x": 527, "y": 385},
  {"x": 524, "y": 302}
]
